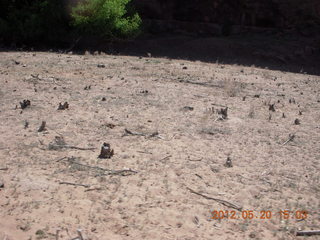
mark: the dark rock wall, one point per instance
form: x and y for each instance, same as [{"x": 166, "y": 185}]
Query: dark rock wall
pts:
[{"x": 256, "y": 13}]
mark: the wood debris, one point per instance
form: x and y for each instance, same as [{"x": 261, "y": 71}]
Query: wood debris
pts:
[{"x": 223, "y": 202}]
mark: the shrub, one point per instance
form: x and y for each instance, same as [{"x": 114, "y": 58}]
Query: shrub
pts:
[{"x": 106, "y": 18}]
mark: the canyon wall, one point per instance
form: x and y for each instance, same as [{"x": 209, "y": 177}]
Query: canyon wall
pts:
[{"x": 281, "y": 14}]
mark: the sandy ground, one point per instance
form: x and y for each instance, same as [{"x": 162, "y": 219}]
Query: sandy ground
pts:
[{"x": 180, "y": 149}]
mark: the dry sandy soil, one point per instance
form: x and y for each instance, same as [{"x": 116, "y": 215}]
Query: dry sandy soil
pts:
[{"x": 173, "y": 154}]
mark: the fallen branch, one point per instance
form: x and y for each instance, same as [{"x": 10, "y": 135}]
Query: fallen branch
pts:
[
  {"x": 60, "y": 159},
  {"x": 56, "y": 146},
  {"x": 128, "y": 132},
  {"x": 78, "y": 148},
  {"x": 219, "y": 105},
  {"x": 124, "y": 172},
  {"x": 93, "y": 189},
  {"x": 4, "y": 169},
  {"x": 195, "y": 160},
  {"x": 223, "y": 202},
  {"x": 154, "y": 134},
  {"x": 205, "y": 84},
  {"x": 144, "y": 152},
  {"x": 308, "y": 233},
  {"x": 165, "y": 158},
  {"x": 75, "y": 184}
]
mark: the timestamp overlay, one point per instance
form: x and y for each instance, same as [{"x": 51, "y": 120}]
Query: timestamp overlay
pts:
[{"x": 263, "y": 214}]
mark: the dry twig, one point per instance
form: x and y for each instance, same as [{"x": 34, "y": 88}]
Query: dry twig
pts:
[
  {"x": 308, "y": 233},
  {"x": 56, "y": 146},
  {"x": 223, "y": 202},
  {"x": 165, "y": 158},
  {"x": 124, "y": 172},
  {"x": 195, "y": 160},
  {"x": 75, "y": 184},
  {"x": 154, "y": 134}
]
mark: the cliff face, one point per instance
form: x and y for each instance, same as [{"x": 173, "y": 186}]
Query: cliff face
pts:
[{"x": 255, "y": 13}]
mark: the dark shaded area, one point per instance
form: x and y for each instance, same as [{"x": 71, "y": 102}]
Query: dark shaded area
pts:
[
  {"x": 259, "y": 13},
  {"x": 276, "y": 51},
  {"x": 280, "y": 35}
]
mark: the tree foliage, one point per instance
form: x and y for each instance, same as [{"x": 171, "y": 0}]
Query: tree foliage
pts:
[
  {"x": 34, "y": 21},
  {"x": 107, "y": 18}
]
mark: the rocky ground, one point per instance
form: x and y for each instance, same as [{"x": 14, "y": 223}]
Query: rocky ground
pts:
[{"x": 166, "y": 122}]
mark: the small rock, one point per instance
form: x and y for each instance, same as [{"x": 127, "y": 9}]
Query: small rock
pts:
[
  {"x": 292, "y": 100},
  {"x": 25, "y": 227},
  {"x": 63, "y": 106},
  {"x": 103, "y": 99},
  {"x": 184, "y": 68},
  {"x": 40, "y": 234},
  {"x": 25, "y": 103},
  {"x": 228, "y": 163},
  {"x": 101, "y": 66},
  {"x": 223, "y": 112},
  {"x": 26, "y": 124},
  {"x": 271, "y": 108},
  {"x": 297, "y": 121},
  {"x": 252, "y": 235},
  {"x": 187, "y": 108},
  {"x": 110, "y": 125},
  {"x": 1, "y": 185},
  {"x": 106, "y": 151}
]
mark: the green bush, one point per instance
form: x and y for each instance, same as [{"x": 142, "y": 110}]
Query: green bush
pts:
[
  {"x": 106, "y": 18},
  {"x": 48, "y": 21}
]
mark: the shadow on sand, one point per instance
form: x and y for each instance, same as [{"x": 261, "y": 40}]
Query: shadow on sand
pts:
[
  {"x": 289, "y": 53},
  {"x": 275, "y": 52}
]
